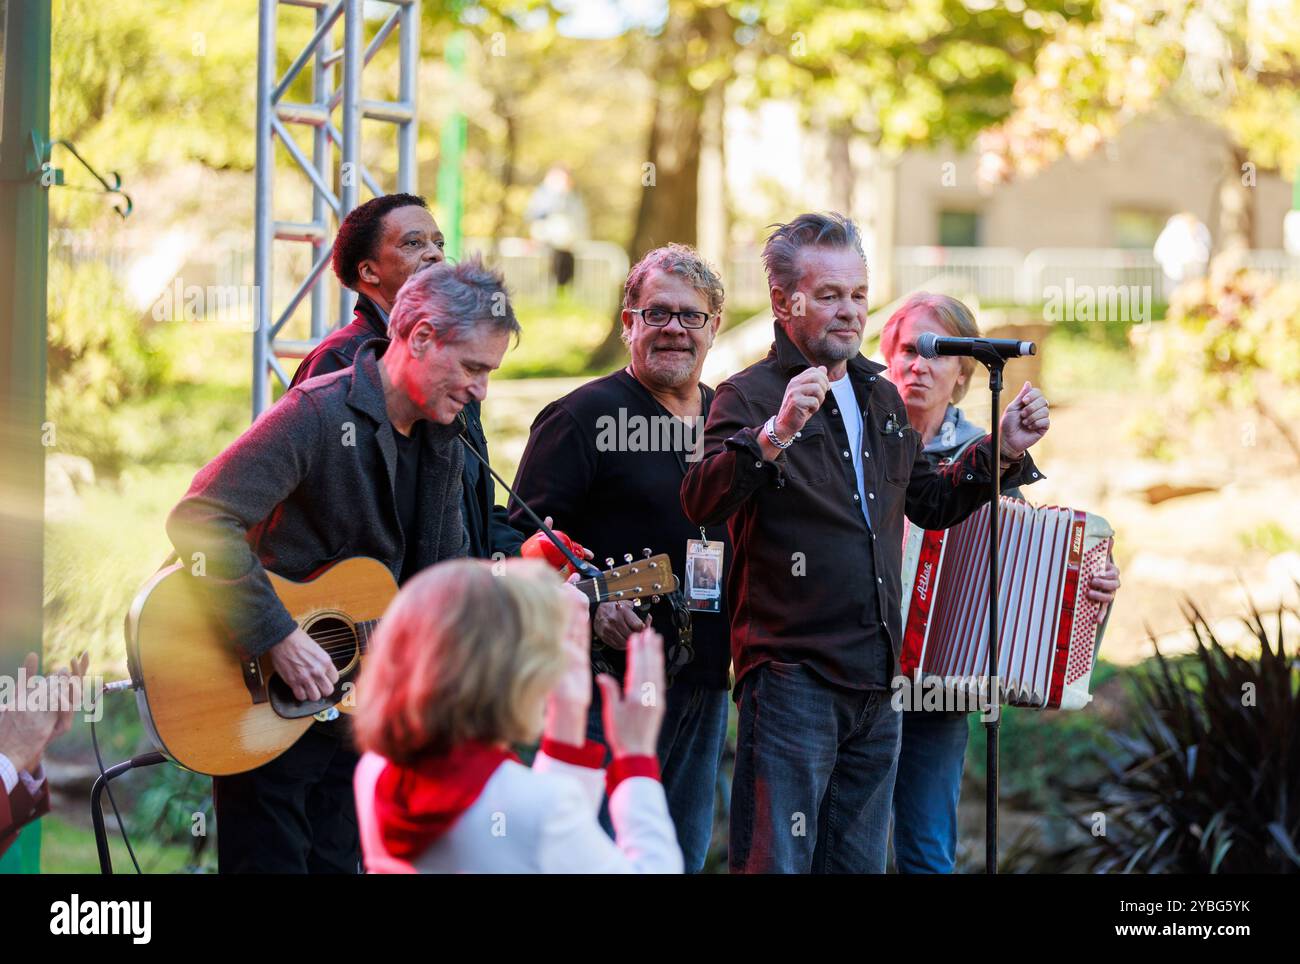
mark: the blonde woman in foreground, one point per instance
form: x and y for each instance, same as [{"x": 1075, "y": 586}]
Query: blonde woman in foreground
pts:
[{"x": 467, "y": 663}]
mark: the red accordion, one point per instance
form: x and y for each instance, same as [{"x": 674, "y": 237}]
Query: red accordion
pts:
[{"x": 1050, "y": 629}]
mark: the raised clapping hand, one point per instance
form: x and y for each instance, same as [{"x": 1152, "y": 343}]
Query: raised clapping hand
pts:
[
  {"x": 24, "y": 734},
  {"x": 575, "y": 685},
  {"x": 1024, "y": 422},
  {"x": 633, "y": 716},
  {"x": 567, "y": 703}
]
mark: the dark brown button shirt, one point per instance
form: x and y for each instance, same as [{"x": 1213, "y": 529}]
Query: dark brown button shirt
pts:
[{"x": 811, "y": 582}]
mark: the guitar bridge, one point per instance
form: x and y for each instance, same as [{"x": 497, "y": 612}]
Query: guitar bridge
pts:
[{"x": 251, "y": 668}]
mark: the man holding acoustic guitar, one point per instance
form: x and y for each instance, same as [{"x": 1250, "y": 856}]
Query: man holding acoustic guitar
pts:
[
  {"x": 380, "y": 244},
  {"x": 364, "y": 462}
]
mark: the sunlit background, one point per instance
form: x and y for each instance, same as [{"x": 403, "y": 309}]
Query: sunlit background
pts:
[{"x": 1025, "y": 156}]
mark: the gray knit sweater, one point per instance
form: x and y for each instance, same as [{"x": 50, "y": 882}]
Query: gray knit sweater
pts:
[{"x": 309, "y": 484}]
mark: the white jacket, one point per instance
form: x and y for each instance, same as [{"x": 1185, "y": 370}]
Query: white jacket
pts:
[{"x": 541, "y": 820}]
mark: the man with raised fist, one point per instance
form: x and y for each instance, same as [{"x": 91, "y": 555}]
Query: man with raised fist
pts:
[{"x": 809, "y": 457}]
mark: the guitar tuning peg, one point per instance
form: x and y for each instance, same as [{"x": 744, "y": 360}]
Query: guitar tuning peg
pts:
[
  {"x": 636, "y": 602},
  {"x": 655, "y": 599},
  {"x": 646, "y": 553},
  {"x": 609, "y": 562},
  {"x": 627, "y": 557}
]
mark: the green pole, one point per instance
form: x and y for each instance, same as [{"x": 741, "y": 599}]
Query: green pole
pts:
[
  {"x": 24, "y": 248},
  {"x": 452, "y": 155}
]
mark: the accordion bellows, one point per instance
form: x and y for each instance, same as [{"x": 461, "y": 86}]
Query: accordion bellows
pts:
[{"x": 1050, "y": 630}]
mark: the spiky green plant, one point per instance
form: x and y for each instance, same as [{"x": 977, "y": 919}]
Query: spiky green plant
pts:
[{"x": 1208, "y": 778}]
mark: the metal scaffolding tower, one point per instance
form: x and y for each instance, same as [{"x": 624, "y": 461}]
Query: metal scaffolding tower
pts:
[{"x": 335, "y": 168}]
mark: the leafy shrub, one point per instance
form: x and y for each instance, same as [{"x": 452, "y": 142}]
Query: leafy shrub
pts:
[
  {"x": 98, "y": 360},
  {"x": 1208, "y": 778},
  {"x": 126, "y": 391},
  {"x": 1232, "y": 338}
]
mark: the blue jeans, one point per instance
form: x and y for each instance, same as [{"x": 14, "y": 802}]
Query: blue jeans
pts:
[
  {"x": 927, "y": 790},
  {"x": 690, "y": 749},
  {"x": 814, "y": 775}
]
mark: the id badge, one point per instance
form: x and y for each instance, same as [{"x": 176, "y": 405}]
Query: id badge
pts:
[{"x": 704, "y": 575}]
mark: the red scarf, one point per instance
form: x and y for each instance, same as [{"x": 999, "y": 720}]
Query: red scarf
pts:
[{"x": 417, "y": 804}]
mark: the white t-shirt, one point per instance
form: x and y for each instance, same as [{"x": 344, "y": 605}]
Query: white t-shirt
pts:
[{"x": 848, "y": 405}]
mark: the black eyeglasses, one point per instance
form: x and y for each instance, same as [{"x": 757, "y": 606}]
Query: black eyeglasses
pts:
[{"x": 660, "y": 317}]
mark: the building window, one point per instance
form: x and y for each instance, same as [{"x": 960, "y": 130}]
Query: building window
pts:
[
  {"x": 959, "y": 229},
  {"x": 1134, "y": 228}
]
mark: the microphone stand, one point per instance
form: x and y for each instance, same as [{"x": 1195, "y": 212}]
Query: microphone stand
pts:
[
  {"x": 579, "y": 565},
  {"x": 149, "y": 759},
  {"x": 990, "y": 355},
  {"x": 995, "y": 363},
  {"x": 992, "y": 726}
]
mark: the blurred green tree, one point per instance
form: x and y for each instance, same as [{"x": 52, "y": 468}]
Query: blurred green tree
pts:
[
  {"x": 1234, "y": 63},
  {"x": 535, "y": 97},
  {"x": 901, "y": 74},
  {"x": 693, "y": 52},
  {"x": 907, "y": 74},
  {"x": 144, "y": 85}
]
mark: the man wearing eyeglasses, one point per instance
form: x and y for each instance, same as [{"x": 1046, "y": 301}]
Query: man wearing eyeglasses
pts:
[{"x": 607, "y": 462}]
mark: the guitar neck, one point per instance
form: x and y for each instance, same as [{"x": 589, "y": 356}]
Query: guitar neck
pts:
[
  {"x": 591, "y": 588},
  {"x": 365, "y": 629},
  {"x": 635, "y": 580}
]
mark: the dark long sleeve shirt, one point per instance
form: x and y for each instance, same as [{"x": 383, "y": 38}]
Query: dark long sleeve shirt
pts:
[
  {"x": 811, "y": 582},
  {"x": 616, "y": 496}
]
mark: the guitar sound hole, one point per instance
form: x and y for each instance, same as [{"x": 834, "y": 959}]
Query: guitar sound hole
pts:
[{"x": 337, "y": 638}]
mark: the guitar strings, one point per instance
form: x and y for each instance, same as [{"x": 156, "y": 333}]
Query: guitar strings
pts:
[
  {"x": 337, "y": 641},
  {"x": 346, "y": 637},
  {"x": 346, "y": 640}
]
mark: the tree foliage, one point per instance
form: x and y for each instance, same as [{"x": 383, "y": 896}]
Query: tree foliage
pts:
[
  {"x": 902, "y": 74},
  {"x": 1234, "y": 63},
  {"x": 147, "y": 84},
  {"x": 1232, "y": 339},
  {"x": 907, "y": 74}
]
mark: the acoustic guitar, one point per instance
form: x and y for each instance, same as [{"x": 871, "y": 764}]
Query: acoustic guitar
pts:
[{"x": 215, "y": 712}]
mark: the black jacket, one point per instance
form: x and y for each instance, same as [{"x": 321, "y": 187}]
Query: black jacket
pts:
[
  {"x": 337, "y": 349},
  {"x": 310, "y": 483},
  {"x": 618, "y": 499},
  {"x": 810, "y": 583},
  {"x": 486, "y": 523}
]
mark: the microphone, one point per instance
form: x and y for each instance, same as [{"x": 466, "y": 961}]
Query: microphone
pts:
[{"x": 930, "y": 345}]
